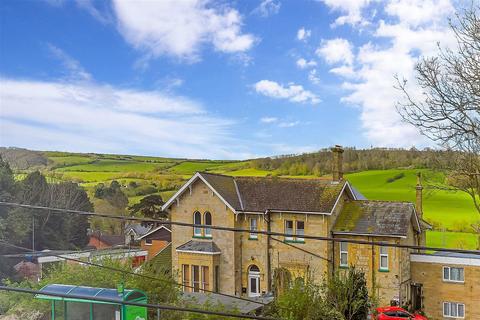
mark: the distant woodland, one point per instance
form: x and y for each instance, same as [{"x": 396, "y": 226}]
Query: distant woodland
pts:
[{"x": 320, "y": 163}]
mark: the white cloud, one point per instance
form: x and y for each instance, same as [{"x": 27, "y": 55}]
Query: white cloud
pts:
[
  {"x": 416, "y": 13},
  {"x": 344, "y": 71},
  {"x": 291, "y": 92},
  {"x": 352, "y": 9},
  {"x": 303, "y": 64},
  {"x": 313, "y": 76},
  {"x": 180, "y": 28},
  {"x": 288, "y": 124},
  {"x": 413, "y": 29},
  {"x": 267, "y": 8},
  {"x": 268, "y": 119},
  {"x": 85, "y": 116},
  {"x": 303, "y": 34},
  {"x": 73, "y": 67},
  {"x": 89, "y": 6},
  {"x": 336, "y": 50}
]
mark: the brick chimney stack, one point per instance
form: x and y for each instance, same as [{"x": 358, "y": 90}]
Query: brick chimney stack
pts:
[
  {"x": 337, "y": 165},
  {"x": 418, "y": 202}
]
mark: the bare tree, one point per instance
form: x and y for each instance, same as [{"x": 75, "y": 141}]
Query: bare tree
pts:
[{"x": 448, "y": 109}]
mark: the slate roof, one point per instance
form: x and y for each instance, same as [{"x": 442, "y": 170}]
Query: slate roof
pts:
[
  {"x": 109, "y": 239},
  {"x": 139, "y": 229},
  {"x": 258, "y": 194},
  {"x": 199, "y": 246},
  {"x": 375, "y": 217}
]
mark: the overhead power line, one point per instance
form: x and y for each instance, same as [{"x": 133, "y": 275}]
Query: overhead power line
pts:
[
  {"x": 269, "y": 233},
  {"x": 127, "y": 272},
  {"x": 137, "y": 304}
]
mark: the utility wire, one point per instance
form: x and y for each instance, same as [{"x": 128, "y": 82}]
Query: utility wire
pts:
[
  {"x": 127, "y": 272},
  {"x": 138, "y": 304},
  {"x": 301, "y": 249},
  {"x": 270, "y": 233}
]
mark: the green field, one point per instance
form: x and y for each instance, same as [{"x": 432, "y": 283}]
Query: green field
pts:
[
  {"x": 452, "y": 212},
  {"x": 190, "y": 167},
  {"x": 456, "y": 240}
]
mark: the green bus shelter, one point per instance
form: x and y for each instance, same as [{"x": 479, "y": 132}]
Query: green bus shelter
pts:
[{"x": 83, "y": 303}]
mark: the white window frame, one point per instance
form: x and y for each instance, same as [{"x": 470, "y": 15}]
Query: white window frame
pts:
[
  {"x": 383, "y": 255},
  {"x": 343, "y": 252},
  {"x": 253, "y": 228},
  {"x": 148, "y": 243},
  {"x": 449, "y": 279},
  {"x": 207, "y": 231},
  {"x": 450, "y": 305},
  {"x": 197, "y": 231},
  {"x": 291, "y": 235},
  {"x": 299, "y": 237}
]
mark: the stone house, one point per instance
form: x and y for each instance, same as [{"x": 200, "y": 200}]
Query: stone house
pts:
[
  {"x": 242, "y": 263},
  {"x": 448, "y": 284}
]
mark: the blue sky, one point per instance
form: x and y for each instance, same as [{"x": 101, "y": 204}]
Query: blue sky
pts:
[{"x": 211, "y": 79}]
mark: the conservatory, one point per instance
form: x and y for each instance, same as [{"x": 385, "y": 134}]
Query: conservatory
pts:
[{"x": 70, "y": 302}]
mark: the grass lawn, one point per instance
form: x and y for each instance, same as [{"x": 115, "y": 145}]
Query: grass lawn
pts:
[
  {"x": 452, "y": 210},
  {"x": 70, "y": 160},
  {"x": 91, "y": 176},
  {"x": 190, "y": 167},
  {"x": 456, "y": 240},
  {"x": 115, "y": 166},
  {"x": 250, "y": 172}
]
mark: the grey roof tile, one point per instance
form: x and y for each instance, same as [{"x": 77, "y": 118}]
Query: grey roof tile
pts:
[
  {"x": 261, "y": 193},
  {"x": 199, "y": 246},
  {"x": 375, "y": 217}
]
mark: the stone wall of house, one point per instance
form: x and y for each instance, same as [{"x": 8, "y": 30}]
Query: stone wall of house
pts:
[
  {"x": 385, "y": 284},
  {"x": 201, "y": 198},
  {"x": 436, "y": 290},
  {"x": 283, "y": 253},
  {"x": 252, "y": 251}
]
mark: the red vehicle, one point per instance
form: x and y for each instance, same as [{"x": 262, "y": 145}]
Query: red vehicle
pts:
[{"x": 395, "y": 313}]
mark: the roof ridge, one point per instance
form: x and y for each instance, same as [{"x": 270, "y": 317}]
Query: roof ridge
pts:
[
  {"x": 214, "y": 174},
  {"x": 388, "y": 201}
]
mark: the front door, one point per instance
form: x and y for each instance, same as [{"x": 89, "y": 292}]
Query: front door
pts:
[
  {"x": 253, "y": 285},
  {"x": 253, "y": 281},
  {"x": 416, "y": 290}
]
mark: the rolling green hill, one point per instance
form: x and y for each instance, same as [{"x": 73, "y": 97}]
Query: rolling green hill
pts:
[{"x": 451, "y": 213}]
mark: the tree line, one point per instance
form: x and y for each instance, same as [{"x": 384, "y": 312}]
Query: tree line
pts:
[
  {"x": 320, "y": 163},
  {"x": 36, "y": 229}
]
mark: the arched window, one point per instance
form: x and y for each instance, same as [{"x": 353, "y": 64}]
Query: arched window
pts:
[
  {"x": 253, "y": 281},
  {"x": 197, "y": 219},
  {"x": 207, "y": 220}
]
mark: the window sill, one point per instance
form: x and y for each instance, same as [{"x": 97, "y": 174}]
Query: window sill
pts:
[
  {"x": 293, "y": 241},
  {"x": 383, "y": 270},
  {"x": 454, "y": 281},
  {"x": 250, "y": 238},
  {"x": 201, "y": 237},
  {"x": 343, "y": 267}
]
